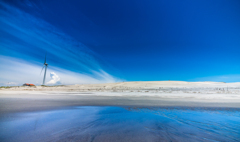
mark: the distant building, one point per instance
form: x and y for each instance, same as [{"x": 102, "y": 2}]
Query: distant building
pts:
[{"x": 27, "y": 84}]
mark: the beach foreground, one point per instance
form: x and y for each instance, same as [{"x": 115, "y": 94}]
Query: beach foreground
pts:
[
  {"x": 131, "y": 111},
  {"x": 158, "y": 93}
]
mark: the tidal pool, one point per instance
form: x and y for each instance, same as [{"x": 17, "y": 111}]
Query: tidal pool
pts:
[{"x": 90, "y": 123}]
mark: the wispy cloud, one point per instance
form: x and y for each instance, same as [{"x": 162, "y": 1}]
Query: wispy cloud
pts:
[
  {"x": 24, "y": 41},
  {"x": 20, "y": 71},
  {"x": 26, "y": 32}
]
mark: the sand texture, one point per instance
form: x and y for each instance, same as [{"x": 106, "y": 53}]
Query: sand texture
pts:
[{"x": 155, "y": 93}]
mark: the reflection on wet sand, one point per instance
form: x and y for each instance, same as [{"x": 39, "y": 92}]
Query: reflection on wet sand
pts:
[{"x": 122, "y": 124}]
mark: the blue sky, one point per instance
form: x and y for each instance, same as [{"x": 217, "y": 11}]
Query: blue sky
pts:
[{"x": 109, "y": 41}]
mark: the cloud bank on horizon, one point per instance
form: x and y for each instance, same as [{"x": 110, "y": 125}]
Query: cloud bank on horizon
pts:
[
  {"x": 24, "y": 41},
  {"x": 16, "y": 72}
]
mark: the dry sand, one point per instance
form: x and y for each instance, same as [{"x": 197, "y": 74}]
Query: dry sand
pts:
[{"x": 154, "y": 93}]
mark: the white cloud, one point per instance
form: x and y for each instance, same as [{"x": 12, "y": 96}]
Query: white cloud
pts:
[
  {"x": 55, "y": 79},
  {"x": 41, "y": 37},
  {"x": 36, "y": 36},
  {"x": 20, "y": 72}
]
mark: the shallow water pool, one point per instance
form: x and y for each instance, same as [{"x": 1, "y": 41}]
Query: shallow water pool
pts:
[{"x": 90, "y": 123}]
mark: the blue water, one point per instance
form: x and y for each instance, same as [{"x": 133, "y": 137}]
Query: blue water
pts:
[{"x": 121, "y": 124}]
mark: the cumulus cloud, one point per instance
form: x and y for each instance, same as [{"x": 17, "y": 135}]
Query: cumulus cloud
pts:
[{"x": 55, "y": 79}]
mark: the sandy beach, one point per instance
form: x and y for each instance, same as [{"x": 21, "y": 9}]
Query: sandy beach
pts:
[
  {"x": 141, "y": 94},
  {"x": 126, "y": 111}
]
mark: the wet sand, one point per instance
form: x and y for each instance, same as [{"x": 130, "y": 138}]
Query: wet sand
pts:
[
  {"x": 152, "y": 93},
  {"x": 121, "y": 124},
  {"x": 15, "y": 101},
  {"x": 152, "y": 111}
]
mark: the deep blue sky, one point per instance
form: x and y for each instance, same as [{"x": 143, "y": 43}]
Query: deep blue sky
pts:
[{"x": 139, "y": 40}]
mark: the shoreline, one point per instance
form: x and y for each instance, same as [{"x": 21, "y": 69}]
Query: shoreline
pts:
[
  {"x": 12, "y": 102},
  {"x": 134, "y": 94}
]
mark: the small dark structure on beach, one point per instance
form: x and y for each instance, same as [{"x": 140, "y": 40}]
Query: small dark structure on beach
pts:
[{"x": 27, "y": 84}]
